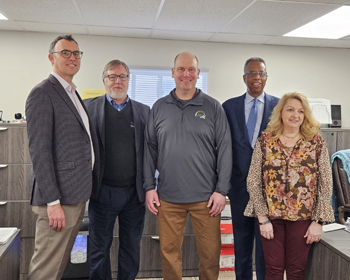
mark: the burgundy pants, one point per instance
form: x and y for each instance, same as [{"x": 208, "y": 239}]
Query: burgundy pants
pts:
[{"x": 287, "y": 250}]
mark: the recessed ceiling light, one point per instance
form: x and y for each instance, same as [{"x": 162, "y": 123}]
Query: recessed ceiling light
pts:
[
  {"x": 2, "y": 17},
  {"x": 333, "y": 25}
]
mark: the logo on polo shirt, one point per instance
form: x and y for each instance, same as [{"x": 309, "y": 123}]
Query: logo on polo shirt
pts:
[{"x": 200, "y": 114}]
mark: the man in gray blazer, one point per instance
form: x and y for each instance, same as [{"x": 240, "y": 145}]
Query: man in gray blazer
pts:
[
  {"x": 119, "y": 123},
  {"x": 63, "y": 156}
]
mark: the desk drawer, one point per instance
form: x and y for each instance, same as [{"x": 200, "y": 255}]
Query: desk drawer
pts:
[
  {"x": 18, "y": 214},
  {"x": 14, "y": 145},
  {"x": 14, "y": 181}
]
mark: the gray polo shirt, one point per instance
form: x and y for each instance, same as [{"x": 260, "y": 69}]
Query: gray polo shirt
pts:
[{"x": 190, "y": 146}]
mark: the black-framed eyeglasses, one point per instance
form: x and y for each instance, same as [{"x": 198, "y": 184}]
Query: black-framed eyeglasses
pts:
[
  {"x": 68, "y": 53},
  {"x": 253, "y": 74},
  {"x": 114, "y": 77}
]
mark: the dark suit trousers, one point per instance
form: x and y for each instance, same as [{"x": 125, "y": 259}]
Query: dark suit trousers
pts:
[
  {"x": 245, "y": 230},
  {"x": 115, "y": 202}
]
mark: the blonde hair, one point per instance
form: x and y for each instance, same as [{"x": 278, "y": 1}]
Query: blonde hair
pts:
[{"x": 308, "y": 129}]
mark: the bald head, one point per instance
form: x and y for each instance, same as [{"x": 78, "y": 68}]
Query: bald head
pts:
[
  {"x": 188, "y": 54},
  {"x": 185, "y": 74}
]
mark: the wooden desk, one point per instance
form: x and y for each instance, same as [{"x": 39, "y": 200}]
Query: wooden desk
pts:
[
  {"x": 330, "y": 258},
  {"x": 9, "y": 258}
]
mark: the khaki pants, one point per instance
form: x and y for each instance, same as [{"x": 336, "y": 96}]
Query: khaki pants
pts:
[
  {"x": 52, "y": 248},
  {"x": 171, "y": 221}
]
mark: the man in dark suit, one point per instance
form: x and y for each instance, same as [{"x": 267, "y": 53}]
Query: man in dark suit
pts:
[
  {"x": 120, "y": 124},
  {"x": 62, "y": 155},
  {"x": 245, "y": 130}
]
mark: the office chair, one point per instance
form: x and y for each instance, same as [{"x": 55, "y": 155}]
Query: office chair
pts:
[{"x": 342, "y": 187}]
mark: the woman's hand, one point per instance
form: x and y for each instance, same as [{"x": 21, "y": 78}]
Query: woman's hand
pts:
[
  {"x": 313, "y": 233},
  {"x": 266, "y": 230}
]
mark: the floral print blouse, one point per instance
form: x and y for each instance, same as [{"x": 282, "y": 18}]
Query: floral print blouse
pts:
[{"x": 290, "y": 184}]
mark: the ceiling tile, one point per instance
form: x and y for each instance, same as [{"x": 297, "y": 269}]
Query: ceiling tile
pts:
[
  {"x": 181, "y": 35},
  {"x": 198, "y": 15},
  {"x": 9, "y": 25},
  {"x": 230, "y": 21},
  {"x": 54, "y": 28},
  {"x": 240, "y": 38},
  {"x": 345, "y": 38},
  {"x": 337, "y": 44},
  {"x": 314, "y": 1},
  {"x": 120, "y": 32},
  {"x": 292, "y": 41},
  {"x": 121, "y": 13},
  {"x": 275, "y": 18},
  {"x": 62, "y": 11}
]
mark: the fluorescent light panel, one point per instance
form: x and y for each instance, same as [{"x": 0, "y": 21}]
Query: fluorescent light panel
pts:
[
  {"x": 2, "y": 17},
  {"x": 333, "y": 25}
]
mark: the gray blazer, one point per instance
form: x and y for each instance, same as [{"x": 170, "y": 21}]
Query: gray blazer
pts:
[
  {"x": 96, "y": 111},
  {"x": 59, "y": 146}
]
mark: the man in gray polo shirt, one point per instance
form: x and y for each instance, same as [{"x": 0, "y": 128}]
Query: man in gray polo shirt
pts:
[{"x": 188, "y": 141}]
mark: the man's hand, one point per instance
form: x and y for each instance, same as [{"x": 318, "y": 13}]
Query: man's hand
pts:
[
  {"x": 57, "y": 219},
  {"x": 151, "y": 199},
  {"x": 313, "y": 233},
  {"x": 217, "y": 203}
]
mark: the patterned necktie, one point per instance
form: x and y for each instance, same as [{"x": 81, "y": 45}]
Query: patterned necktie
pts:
[{"x": 252, "y": 120}]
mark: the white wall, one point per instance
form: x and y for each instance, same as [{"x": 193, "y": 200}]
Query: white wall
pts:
[{"x": 317, "y": 72}]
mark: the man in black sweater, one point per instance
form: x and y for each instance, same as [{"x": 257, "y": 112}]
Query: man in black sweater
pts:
[{"x": 119, "y": 122}]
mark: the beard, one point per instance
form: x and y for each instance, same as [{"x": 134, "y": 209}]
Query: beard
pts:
[{"x": 118, "y": 96}]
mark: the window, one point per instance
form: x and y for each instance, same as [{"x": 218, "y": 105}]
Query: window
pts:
[{"x": 148, "y": 85}]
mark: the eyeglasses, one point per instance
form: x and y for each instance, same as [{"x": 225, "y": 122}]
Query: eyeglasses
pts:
[
  {"x": 113, "y": 77},
  {"x": 68, "y": 53},
  {"x": 253, "y": 74}
]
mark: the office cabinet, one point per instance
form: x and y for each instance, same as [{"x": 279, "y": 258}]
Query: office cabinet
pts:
[
  {"x": 336, "y": 139},
  {"x": 150, "y": 260},
  {"x": 15, "y": 166}
]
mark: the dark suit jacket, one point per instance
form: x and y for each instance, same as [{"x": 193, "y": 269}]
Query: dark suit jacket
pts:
[
  {"x": 96, "y": 111},
  {"x": 241, "y": 148},
  {"x": 59, "y": 146}
]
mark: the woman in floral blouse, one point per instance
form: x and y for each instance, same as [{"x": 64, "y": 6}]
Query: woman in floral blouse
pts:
[{"x": 290, "y": 186}]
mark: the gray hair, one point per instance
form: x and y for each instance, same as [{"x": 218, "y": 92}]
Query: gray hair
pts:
[
  {"x": 112, "y": 64},
  {"x": 253, "y": 59}
]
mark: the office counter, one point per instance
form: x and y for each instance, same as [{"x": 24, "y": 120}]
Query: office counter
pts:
[
  {"x": 9, "y": 258},
  {"x": 330, "y": 258}
]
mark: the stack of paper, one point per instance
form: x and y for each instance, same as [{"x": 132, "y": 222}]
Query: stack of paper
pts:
[
  {"x": 331, "y": 227},
  {"x": 6, "y": 234}
]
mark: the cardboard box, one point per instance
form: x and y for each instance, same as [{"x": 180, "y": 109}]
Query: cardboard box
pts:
[
  {"x": 227, "y": 239},
  {"x": 227, "y": 259},
  {"x": 226, "y": 227},
  {"x": 226, "y": 233},
  {"x": 227, "y": 211}
]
